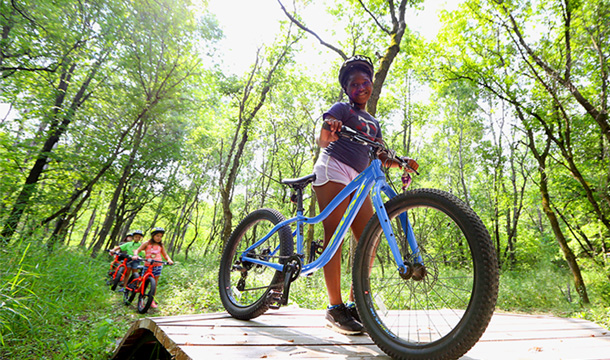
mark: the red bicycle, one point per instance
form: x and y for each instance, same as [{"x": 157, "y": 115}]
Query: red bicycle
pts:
[
  {"x": 117, "y": 269},
  {"x": 144, "y": 285}
]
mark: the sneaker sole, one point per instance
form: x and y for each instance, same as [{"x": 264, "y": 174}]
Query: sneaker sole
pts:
[{"x": 342, "y": 331}]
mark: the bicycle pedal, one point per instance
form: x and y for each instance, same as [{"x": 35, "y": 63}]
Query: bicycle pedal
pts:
[{"x": 275, "y": 299}]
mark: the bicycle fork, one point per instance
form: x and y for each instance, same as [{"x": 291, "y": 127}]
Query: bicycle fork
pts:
[{"x": 407, "y": 268}]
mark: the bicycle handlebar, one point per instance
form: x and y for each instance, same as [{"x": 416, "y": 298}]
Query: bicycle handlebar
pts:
[
  {"x": 155, "y": 261},
  {"x": 123, "y": 255},
  {"x": 353, "y": 135},
  {"x": 118, "y": 253}
]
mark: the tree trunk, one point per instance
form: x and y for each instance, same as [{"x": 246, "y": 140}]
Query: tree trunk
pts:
[
  {"x": 229, "y": 171},
  {"x": 110, "y": 215},
  {"x": 59, "y": 126},
  {"x": 550, "y": 214},
  {"x": 164, "y": 196},
  {"x": 83, "y": 241}
]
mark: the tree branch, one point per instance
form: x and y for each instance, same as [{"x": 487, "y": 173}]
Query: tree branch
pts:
[
  {"x": 590, "y": 108},
  {"x": 306, "y": 29},
  {"x": 377, "y": 21}
]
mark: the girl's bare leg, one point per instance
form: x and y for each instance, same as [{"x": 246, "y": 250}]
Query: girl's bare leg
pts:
[{"x": 332, "y": 270}]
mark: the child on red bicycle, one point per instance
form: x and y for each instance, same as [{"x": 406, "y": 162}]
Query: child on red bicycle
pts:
[
  {"x": 129, "y": 248},
  {"x": 154, "y": 249}
]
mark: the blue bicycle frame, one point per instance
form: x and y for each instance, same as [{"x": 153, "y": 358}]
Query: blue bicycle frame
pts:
[{"x": 371, "y": 178}]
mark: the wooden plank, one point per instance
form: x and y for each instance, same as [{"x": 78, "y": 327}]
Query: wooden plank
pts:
[
  {"x": 275, "y": 337},
  {"x": 285, "y": 352},
  {"x": 551, "y": 349},
  {"x": 300, "y": 333}
]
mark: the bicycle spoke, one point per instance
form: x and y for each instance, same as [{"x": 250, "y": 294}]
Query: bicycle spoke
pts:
[
  {"x": 427, "y": 303},
  {"x": 245, "y": 286}
]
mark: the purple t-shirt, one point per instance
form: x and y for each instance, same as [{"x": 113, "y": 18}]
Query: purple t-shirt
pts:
[{"x": 344, "y": 150}]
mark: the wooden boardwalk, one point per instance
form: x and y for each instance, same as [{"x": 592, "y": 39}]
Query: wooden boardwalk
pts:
[{"x": 300, "y": 333}]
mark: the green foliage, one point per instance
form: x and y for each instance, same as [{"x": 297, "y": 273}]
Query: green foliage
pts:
[
  {"x": 59, "y": 305},
  {"x": 190, "y": 288},
  {"x": 549, "y": 289},
  {"x": 14, "y": 293},
  {"x": 460, "y": 104}
]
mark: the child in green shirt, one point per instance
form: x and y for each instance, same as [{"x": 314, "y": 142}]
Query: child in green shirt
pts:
[{"x": 129, "y": 248}]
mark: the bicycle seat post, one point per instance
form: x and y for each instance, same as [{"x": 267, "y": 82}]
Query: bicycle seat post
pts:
[
  {"x": 298, "y": 185},
  {"x": 297, "y": 198}
]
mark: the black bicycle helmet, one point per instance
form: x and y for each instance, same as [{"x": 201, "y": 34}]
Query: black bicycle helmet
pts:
[
  {"x": 128, "y": 234},
  {"x": 157, "y": 230},
  {"x": 138, "y": 232},
  {"x": 359, "y": 62}
]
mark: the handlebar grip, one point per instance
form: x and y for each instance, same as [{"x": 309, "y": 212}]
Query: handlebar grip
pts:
[{"x": 345, "y": 131}]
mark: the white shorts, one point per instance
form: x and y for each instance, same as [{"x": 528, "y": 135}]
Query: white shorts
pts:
[{"x": 327, "y": 168}]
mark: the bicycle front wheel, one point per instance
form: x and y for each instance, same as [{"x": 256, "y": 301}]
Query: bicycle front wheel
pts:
[
  {"x": 129, "y": 295},
  {"x": 147, "y": 296},
  {"x": 441, "y": 306},
  {"x": 247, "y": 289},
  {"x": 117, "y": 278}
]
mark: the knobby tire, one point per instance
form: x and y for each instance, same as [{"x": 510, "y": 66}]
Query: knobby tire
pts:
[
  {"x": 442, "y": 313},
  {"x": 146, "y": 299},
  {"x": 245, "y": 287},
  {"x": 117, "y": 278},
  {"x": 128, "y": 296}
]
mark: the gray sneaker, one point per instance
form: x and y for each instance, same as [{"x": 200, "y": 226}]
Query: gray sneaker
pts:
[{"x": 340, "y": 320}]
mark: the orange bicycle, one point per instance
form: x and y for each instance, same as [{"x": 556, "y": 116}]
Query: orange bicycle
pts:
[
  {"x": 117, "y": 269},
  {"x": 142, "y": 284}
]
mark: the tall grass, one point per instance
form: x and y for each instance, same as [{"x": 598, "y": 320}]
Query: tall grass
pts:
[
  {"x": 549, "y": 289},
  {"x": 14, "y": 296},
  {"x": 57, "y": 306}
]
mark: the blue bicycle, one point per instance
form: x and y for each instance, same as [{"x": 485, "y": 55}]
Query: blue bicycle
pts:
[{"x": 425, "y": 274}]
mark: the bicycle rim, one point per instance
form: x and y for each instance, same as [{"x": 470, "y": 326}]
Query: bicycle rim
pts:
[
  {"x": 440, "y": 309},
  {"x": 244, "y": 286},
  {"x": 146, "y": 298}
]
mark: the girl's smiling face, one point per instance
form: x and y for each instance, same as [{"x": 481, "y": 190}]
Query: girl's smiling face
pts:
[
  {"x": 158, "y": 237},
  {"x": 359, "y": 87}
]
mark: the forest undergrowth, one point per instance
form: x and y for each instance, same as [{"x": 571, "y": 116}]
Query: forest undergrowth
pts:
[{"x": 58, "y": 306}]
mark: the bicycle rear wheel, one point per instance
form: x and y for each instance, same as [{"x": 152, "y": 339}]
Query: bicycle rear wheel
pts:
[
  {"x": 438, "y": 309},
  {"x": 245, "y": 288},
  {"x": 110, "y": 273}
]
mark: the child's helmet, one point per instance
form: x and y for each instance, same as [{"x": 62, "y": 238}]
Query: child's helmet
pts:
[
  {"x": 129, "y": 234},
  {"x": 359, "y": 62},
  {"x": 157, "y": 230},
  {"x": 138, "y": 232}
]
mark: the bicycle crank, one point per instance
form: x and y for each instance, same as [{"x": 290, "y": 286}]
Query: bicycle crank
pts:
[{"x": 292, "y": 270}]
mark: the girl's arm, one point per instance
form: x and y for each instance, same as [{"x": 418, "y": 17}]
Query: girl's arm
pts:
[
  {"x": 328, "y": 136},
  {"x": 165, "y": 256},
  {"x": 393, "y": 163}
]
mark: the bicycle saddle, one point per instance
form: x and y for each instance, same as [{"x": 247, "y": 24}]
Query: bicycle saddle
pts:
[{"x": 299, "y": 183}]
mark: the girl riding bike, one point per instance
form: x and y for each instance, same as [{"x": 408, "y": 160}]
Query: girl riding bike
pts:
[
  {"x": 339, "y": 163},
  {"x": 154, "y": 250},
  {"x": 425, "y": 271}
]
